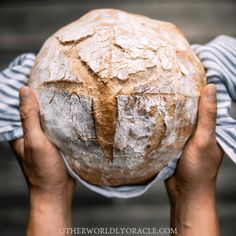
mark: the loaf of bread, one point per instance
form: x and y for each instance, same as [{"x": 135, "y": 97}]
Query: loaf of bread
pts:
[{"x": 118, "y": 95}]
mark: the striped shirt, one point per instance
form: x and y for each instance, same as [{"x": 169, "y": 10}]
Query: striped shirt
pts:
[{"x": 219, "y": 60}]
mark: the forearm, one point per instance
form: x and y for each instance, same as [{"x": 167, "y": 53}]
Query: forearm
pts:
[
  {"x": 196, "y": 214},
  {"x": 49, "y": 214}
]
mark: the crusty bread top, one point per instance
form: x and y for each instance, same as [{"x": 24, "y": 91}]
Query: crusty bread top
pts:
[{"x": 107, "y": 54}]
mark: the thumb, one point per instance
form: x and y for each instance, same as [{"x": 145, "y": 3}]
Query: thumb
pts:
[
  {"x": 207, "y": 111},
  {"x": 29, "y": 112}
]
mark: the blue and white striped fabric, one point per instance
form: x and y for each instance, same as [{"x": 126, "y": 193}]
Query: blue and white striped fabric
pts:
[
  {"x": 219, "y": 59},
  {"x": 11, "y": 80}
]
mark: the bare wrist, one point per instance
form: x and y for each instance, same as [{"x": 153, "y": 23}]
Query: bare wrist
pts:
[
  {"x": 49, "y": 212},
  {"x": 47, "y": 200},
  {"x": 195, "y": 214},
  {"x": 198, "y": 192}
]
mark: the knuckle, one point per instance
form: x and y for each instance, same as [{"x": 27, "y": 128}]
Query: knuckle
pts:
[
  {"x": 200, "y": 144},
  {"x": 34, "y": 145},
  {"x": 203, "y": 141},
  {"x": 212, "y": 111},
  {"x": 26, "y": 112}
]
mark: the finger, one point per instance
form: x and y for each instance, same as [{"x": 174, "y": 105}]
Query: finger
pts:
[
  {"x": 29, "y": 112},
  {"x": 171, "y": 188},
  {"x": 207, "y": 111},
  {"x": 18, "y": 147},
  {"x": 170, "y": 185}
]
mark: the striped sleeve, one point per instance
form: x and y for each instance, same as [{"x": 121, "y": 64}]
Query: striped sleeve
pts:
[
  {"x": 219, "y": 59},
  {"x": 11, "y": 80}
]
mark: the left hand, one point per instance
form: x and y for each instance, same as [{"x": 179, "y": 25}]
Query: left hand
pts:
[
  {"x": 41, "y": 162},
  {"x": 50, "y": 186}
]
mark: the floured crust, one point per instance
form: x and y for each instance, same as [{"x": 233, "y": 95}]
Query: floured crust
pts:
[{"x": 118, "y": 95}]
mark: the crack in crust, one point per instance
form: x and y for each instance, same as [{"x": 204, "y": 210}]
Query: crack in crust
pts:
[{"x": 73, "y": 41}]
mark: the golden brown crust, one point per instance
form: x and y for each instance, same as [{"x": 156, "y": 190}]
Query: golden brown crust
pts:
[{"x": 118, "y": 95}]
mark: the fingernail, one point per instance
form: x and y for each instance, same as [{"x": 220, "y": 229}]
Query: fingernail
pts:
[
  {"x": 24, "y": 93},
  {"x": 211, "y": 92}
]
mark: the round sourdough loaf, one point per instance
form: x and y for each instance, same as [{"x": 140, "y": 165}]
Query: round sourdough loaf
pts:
[{"x": 118, "y": 95}]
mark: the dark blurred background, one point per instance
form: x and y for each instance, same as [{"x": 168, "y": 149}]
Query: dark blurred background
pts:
[{"x": 24, "y": 26}]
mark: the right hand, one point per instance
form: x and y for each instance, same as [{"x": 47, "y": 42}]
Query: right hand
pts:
[
  {"x": 199, "y": 163},
  {"x": 191, "y": 189}
]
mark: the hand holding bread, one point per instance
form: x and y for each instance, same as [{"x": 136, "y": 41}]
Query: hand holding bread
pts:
[{"x": 192, "y": 188}]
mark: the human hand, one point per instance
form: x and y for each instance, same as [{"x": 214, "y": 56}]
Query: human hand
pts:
[
  {"x": 201, "y": 158},
  {"x": 50, "y": 187},
  {"x": 193, "y": 184}
]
